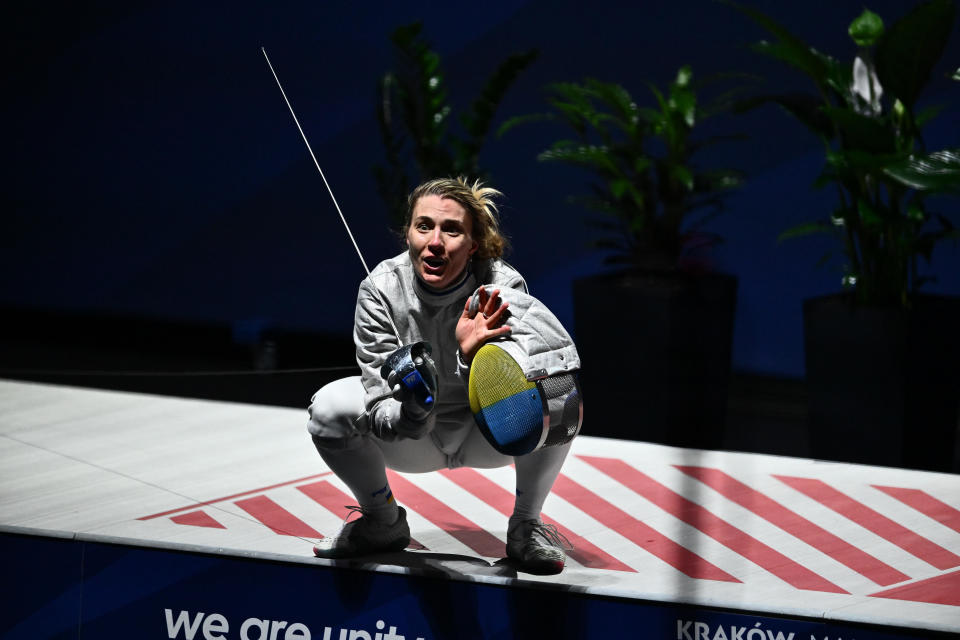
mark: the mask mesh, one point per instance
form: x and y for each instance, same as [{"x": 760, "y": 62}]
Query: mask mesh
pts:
[{"x": 510, "y": 410}]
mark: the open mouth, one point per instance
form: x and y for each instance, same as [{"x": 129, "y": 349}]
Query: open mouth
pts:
[{"x": 434, "y": 263}]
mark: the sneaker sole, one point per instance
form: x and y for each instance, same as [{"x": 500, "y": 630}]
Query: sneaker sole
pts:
[
  {"x": 398, "y": 545},
  {"x": 543, "y": 567}
]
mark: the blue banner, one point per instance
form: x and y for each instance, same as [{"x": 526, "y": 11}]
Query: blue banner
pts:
[{"x": 61, "y": 588}]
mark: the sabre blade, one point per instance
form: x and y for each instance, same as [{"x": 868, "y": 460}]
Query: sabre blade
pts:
[{"x": 330, "y": 191}]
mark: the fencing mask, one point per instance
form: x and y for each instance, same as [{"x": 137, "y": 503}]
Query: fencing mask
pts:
[{"x": 523, "y": 388}]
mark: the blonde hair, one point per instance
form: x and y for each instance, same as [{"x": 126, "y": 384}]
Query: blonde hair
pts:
[{"x": 477, "y": 200}]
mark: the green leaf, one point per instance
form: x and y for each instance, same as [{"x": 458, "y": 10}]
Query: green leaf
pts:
[
  {"x": 861, "y": 131},
  {"x": 864, "y": 161},
  {"x": 925, "y": 242},
  {"x": 642, "y": 164},
  {"x": 477, "y": 121},
  {"x": 661, "y": 101},
  {"x": 956, "y": 74},
  {"x": 868, "y": 215},
  {"x": 683, "y": 102},
  {"x": 916, "y": 213},
  {"x": 827, "y": 177},
  {"x": 578, "y": 117},
  {"x": 682, "y": 175},
  {"x": 516, "y": 121},
  {"x": 805, "y": 229},
  {"x": 431, "y": 63},
  {"x": 575, "y": 103},
  {"x": 937, "y": 171},
  {"x": 618, "y": 100},
  {"x": 584, "y": 155},
  {"x": 618, "y": 187},
  {"x": 824, "y": 259},
  {"x": 570, "y": 91},
  {"x": 650, "y": 116},
  {"x": 805, "y": 107},
  {"x": 405, "y": 35},
  {"x": 866, "y": 28},
  {"x": 790, "y": 49},
  {"x": 927, "y": 114},
  {"x": 911, "y": 48}
]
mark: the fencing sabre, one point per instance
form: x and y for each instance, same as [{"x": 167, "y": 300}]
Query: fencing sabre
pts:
[{"x": 411, "y": 363}]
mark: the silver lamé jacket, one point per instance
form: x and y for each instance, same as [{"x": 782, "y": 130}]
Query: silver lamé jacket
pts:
[{"x": 537, "y": 339}]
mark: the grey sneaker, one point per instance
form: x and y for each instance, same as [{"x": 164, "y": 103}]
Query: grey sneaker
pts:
[
  {"x": 538, "y": 548},
  {"x": 364, "y": 536}
]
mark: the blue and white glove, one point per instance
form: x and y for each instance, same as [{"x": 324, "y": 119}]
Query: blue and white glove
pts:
[{"x": 412, "y": 376}]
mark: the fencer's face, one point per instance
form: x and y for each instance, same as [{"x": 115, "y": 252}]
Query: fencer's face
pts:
[{"x": 439, "y": 240}]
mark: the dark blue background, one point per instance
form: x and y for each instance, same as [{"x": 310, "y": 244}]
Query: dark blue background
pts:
[{"x": 152, "y": 168}]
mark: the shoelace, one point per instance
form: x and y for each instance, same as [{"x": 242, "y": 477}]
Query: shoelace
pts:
[
  {"x": 353, "y": 509},
  {"x": 551, "y": 534}
]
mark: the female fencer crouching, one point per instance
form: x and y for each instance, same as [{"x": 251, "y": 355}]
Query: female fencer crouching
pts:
[{"x": 363, "y": 424}]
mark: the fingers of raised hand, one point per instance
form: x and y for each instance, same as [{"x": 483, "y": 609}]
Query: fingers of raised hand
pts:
[
  {"x": 498, "y": 315},
  {"x": 476, "y": 305},
  {"x": 483, "y": 296},
  {"x": 490, "y": 304},
  {"x": 501, "y": 330}
]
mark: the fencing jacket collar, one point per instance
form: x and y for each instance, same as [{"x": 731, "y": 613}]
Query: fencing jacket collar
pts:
[{"x": 462, "y": 288}]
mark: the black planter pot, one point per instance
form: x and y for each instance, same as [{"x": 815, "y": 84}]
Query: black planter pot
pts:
[
  {"x": 656, "y": 351},
  {"x": 883, "y": 384}
]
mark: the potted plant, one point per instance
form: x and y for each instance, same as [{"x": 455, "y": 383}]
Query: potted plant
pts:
[
  {"x": 654, "y": 334},
  {"x": 881, "y": 357},
  {"x": 414, "y": 117}
]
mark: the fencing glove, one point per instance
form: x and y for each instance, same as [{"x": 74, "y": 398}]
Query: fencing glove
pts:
[{"x": 412, "y": 376}]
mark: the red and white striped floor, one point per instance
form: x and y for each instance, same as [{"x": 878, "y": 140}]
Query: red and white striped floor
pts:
[{"x": 751, "y": 532}]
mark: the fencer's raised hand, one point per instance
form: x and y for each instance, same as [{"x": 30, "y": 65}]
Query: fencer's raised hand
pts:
[{"x": 486, "y": 321}]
